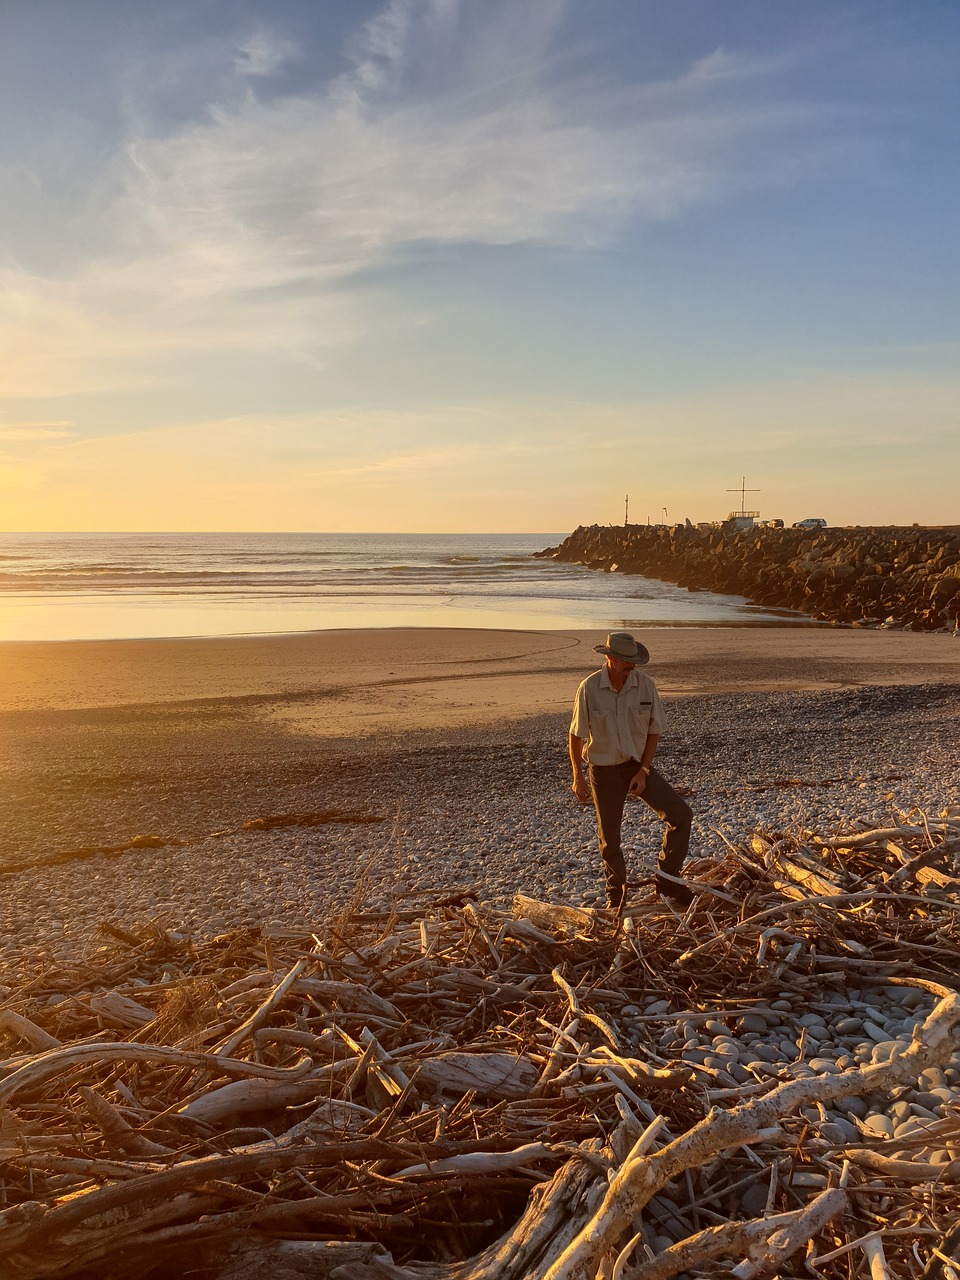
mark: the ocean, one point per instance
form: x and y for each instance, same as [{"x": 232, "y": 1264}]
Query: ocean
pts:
[{"x": 94, "y": 586}]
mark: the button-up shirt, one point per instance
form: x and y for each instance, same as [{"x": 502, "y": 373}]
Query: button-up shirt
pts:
[{"x": 614, "y": 726}]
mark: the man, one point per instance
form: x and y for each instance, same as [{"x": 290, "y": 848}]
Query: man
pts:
[{"x": 616, "y": 725}]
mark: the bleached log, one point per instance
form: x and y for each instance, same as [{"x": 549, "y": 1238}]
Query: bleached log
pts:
[
  {"x": 481, "y": 1161},
  {"x": 524, "y": 931},
  {"x": 120, "y": 1011},
  {"x": 920, "y": 869},
  {"x": 39, "y": 1070},
  {"x": 115, "y": 1128},
  {"x": 804, "y": 866},
  {"x": 250, "y": 982},
  {"x": 243, "y": 1097},
  {"x": 348, "y": 995},
  {"x": 553, "y": 917},
  {"x": 456, "y": 979},
  {"x": 909, "y": 1171},
  {"x": 17, "y": 1025},
  {"x": 765, "y": 1243},
  {"x": 326, "y": 1042},
  {"x": 878, "y": 835},
  {"x": 332, "y": 1115},
  {"x": 911, "y": 863},
  {"x": 932, "y": 880},
  {"x": 491, "y": 1075},
  {"x": 873, "y": 1250}
]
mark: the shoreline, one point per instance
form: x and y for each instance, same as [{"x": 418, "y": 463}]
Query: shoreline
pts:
[{"x": 335, "y": 674}]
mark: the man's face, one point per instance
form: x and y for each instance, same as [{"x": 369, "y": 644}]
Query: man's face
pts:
[{"x": 618, "y": 667}]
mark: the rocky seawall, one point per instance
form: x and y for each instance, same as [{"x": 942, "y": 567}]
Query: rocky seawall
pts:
[{"x": 907, "y": 578}]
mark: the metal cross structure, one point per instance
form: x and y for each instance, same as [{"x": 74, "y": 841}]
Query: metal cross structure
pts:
[{"x": 743, "y": 491}]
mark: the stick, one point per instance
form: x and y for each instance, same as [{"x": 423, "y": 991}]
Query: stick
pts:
[
  {"x": 276, "y": 995},
  {"x": 40, "y": 1070}
]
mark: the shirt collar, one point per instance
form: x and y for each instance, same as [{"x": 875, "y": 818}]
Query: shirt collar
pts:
[{"x": 632, "y": 678}]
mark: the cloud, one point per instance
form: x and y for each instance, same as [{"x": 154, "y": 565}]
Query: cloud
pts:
[
  {"x": 244, "y": 226},
  {"x": 29, "y": 432},
  {"x": 263, "y": 54}
]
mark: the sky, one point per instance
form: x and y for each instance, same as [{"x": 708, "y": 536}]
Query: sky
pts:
[{"x": 454, "y": 265}]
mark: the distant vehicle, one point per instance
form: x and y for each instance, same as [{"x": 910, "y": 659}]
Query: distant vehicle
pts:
[
  {"x": 775, "y": 523},
  {"x": 813, "y": 522}
]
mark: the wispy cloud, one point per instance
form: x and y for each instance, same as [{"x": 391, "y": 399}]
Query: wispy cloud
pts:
[
  {"x": 263, "y": 54},
  {"x": 30, "y": 432},
  {"x": 242, "y": 227}
]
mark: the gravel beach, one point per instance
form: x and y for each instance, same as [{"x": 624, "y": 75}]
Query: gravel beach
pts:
[
  {"x": 220, "y": 796},
  {"x": 209, "y": 813}
]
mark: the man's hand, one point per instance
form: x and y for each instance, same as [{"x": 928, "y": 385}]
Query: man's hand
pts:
[
  {"x": 579, "y": 785},
  {"x": 638, "y": 782}
]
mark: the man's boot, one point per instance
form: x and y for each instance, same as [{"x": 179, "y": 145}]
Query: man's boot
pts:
[
  {"x": 669, "y": 888},
  {"x": 616, "y": 897}
]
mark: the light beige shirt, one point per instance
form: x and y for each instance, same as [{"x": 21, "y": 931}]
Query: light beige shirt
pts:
[{"x": 614, "y": 726}]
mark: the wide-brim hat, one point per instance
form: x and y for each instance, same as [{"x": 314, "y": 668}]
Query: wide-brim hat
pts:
[{"x": 621, "y": 644}]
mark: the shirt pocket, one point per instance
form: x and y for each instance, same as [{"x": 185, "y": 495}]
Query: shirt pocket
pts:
[
  {"x": 644, "y": 714},
  {"x": 604, "y": 729}
]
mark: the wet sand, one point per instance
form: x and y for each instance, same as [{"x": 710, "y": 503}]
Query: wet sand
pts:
[{"x": 354, "y": 683}]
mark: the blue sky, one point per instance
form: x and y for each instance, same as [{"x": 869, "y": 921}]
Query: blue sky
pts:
[{"x": 476, "y": 264}]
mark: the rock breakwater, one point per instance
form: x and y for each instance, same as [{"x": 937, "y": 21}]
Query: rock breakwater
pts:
[{"x": 907, "y": 578}]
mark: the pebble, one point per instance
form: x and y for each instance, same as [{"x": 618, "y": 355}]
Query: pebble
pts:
[
  {"x": 877, "y": 1034},
  {"x": 853, "y": 1106},
  {"x": 837, "y": 1131},
  {"x": 884, "y": 1052},
  {"x": 879, "y": 1126},
  {"x": 753, "y": 1023},
  {"x": 753, "y": 1201},
  {"x": 848, "y": 1026}
]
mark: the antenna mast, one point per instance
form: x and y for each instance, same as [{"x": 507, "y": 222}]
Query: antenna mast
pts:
[
  {"x": 743, "y": 491},
  {"x": 626, "y": 510}
]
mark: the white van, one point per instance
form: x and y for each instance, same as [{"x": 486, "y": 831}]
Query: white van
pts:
[{"x": 813, "y": 522}]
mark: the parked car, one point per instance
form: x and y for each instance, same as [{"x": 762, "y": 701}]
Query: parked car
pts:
[
  {"x": 775, "y": 523},
  {"x": 812, "y": 522}
]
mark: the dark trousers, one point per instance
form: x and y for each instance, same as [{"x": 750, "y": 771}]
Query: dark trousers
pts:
[{"x": 609, "y": 784}]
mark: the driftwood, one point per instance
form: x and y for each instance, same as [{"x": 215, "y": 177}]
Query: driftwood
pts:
[{"x": 458, "y": 1093}]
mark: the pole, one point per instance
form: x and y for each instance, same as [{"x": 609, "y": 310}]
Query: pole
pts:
[
  {"x": 626, "y": 510},
  {"x": 743, "y": 491}
]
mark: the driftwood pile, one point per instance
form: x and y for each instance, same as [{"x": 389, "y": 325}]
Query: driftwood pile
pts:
[{"x": 453, "y": 1092}]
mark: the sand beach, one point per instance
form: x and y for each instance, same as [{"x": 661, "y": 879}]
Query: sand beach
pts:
[
  {"x": 481, "y": 674},
  {"x": 195, "y": 779}
]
